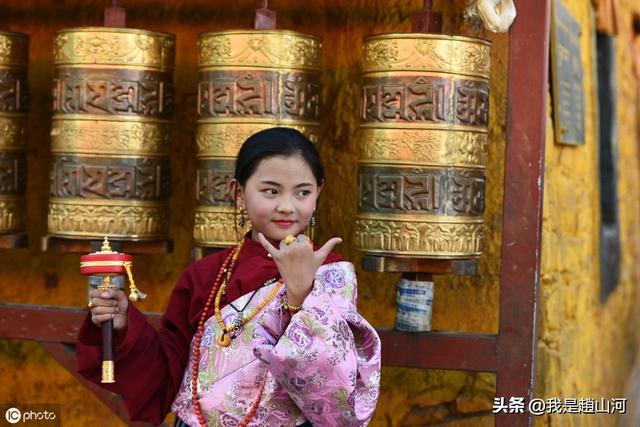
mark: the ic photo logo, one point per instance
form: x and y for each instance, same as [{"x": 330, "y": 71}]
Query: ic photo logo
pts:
[
  {"x": 32, "y": 415},
  {"x": 13, "y": 415}
]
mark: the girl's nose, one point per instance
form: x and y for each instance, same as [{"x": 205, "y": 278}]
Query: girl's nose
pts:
[{"x": 285, "y": 206}]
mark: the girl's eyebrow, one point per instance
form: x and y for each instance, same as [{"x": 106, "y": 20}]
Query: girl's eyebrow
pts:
[{"x": 304, "y": 184}]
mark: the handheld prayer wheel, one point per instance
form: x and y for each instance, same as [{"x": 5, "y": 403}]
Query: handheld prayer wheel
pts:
[
  {"x": 422, "y": 139},
  {"x": 112, "y": 105},
  {"x": 105, "y": 269},
  {"x": 14, "y": 103},
  {"x": 250, "y": 80}
]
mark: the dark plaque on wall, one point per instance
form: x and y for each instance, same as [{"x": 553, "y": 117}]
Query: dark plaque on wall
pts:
[{"x": 567, "y": 77}]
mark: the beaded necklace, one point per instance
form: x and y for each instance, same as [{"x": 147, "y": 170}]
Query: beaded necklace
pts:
[
  {"x": 240, "y": 311},
  {"x": 226, "y": 331},
  {"x": 216, "y": 291}
]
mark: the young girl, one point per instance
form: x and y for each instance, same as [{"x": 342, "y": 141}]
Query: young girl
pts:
[{"x": 265, "y": 333}]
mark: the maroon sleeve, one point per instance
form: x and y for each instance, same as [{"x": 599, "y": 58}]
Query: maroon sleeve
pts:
[{"x": 149, "y": 363}]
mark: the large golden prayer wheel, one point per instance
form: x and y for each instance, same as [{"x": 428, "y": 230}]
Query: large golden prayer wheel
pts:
[
  {"x": 112, "y": 104},
  {"x": 14, "y": 103},
  {"x": 423, "y": 138},
  {"x": 249, "y": 81}
]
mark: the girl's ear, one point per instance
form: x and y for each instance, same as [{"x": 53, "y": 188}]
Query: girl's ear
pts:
[
  {"x": 235, "y": 192},
  {"x": 320, "y": 187}
]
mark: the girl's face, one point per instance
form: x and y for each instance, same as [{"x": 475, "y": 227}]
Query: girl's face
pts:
[{"x": 279, "y": 197}]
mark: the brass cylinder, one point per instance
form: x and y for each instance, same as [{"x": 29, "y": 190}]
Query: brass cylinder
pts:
[
  {"x": 14, "y": 104},
  {"x": 422, "y": 139},
  {"x": 112, "y": 105},
  {"x": 249, "y": 81}
]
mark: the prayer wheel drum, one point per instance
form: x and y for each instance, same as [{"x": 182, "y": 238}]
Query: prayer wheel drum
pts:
[
  {"x": 14, "y": 103},
  {"x": 112, "y": 105},
  {"x": 249, "y": 81},
  {"x": 422, "y": 139}
]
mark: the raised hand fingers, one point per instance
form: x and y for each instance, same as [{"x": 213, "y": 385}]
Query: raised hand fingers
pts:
[
  {"x": 326, "y": 249},
  {"x": 267, "y": 245}
]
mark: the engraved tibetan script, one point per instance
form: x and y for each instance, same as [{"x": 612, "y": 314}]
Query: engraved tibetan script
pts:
[
  {"x": 144, "y": 93},
  {"x": 132, "y": 179},
  {"x": 430, "y": 190},
  {"x": 14, "y": 97},
  {"x": 213, "y": 177},
  {"x": 13, "y": 173},
  {"x": 259, "y": 94},
  {"x": 425, "y": 99}
]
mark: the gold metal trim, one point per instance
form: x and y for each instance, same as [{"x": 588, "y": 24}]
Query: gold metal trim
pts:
[
  {"x": 273, "y": 49},
  {"x": 428, "y": 237},
  {"x": 14, "y": 49},
  {"x": 250, "y": 120},
  {"x": 421, "y": 218},
  {"x": 106, "y": 202},
  {"x": 223, "y": 140},
  {"x": 215, "y": 226},
  {"x": 450, "y": 75},
  {"x": 422, "y": 126},
  {"x": 114, "y": 46},
  {"x": 126, "y": 219},
  {"x": 423, "y": 147},
  {"x": 116, "y": 137},
  {"x": 426, "y": 53},
  {"x": 12, "y": 214},
  {"x": 102, "y": 263},
  {"x": 108, "y": 369},
  {"x": 13, "y": 132}
]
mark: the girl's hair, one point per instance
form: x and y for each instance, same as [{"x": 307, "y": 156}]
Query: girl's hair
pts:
[{"x": 279, "y": 141}]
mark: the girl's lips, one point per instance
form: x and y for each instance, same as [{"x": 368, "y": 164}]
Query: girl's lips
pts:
[{"x": 284, "y": 224}]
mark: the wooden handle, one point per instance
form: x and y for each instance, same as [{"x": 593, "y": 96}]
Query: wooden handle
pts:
[{"x": 107, "y": 352}]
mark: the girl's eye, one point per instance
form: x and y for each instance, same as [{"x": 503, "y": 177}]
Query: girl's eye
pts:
[
  {"x": 304, "y": 193},
  {"x": 270, "y": 191}
]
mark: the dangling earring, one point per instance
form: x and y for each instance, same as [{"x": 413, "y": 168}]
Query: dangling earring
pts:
[
  {"x": 312, "y": 231},
  {"x": 243, "y": 220}
]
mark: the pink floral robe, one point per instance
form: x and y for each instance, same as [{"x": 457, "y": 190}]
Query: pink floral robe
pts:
[{"x": 321, "y": 364}]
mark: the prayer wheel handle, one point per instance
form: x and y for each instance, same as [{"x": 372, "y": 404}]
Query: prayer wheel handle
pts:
[{"x": 107, "y": 263}]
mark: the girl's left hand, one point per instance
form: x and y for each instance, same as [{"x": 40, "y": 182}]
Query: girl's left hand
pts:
[{"x": 298, "y": 263}]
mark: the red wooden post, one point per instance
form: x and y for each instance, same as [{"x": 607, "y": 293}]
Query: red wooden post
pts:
[
  {"x": 265, "y": 17},
  {"x": 522, "y": 213},
  {"x": 115, "y": 16},
  {"x": 427, "y": 21}
]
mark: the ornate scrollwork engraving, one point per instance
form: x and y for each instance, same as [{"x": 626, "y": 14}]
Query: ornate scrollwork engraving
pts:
[{"x": 124, "y": 220}]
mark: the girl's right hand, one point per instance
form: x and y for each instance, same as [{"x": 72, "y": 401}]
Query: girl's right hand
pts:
[{"x": 112, "y": 304}]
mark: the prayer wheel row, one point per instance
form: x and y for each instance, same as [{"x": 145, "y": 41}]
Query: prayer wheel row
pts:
[
  {"x": 422, "y": 137},
  {"x": 14, "y": 102}
]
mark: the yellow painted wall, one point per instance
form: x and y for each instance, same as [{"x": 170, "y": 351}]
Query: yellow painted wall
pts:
[
  {"x": 586, "y": 348},
  {"x": 583, "y": 346}
]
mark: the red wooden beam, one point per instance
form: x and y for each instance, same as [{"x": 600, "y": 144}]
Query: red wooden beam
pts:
[
  {"x": 46, "y": 323},
  {"x": 439, "y": 350},
  {"x": 472, "y": 352},
  {"x": 522, "y": 214}
]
